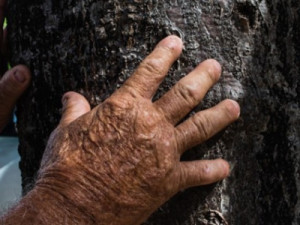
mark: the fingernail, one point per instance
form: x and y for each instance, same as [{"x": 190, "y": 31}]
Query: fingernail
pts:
[
  {"x": 172, "y": 42},
  {"x": 20, "y": 77},
  {"x": 218, "y": 68},
  {"x": 234, "y": 108},
  {"x": 64, "y": 99},
  {"x": 237, "y": 108}
]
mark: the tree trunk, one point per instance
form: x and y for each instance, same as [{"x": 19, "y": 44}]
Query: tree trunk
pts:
[{"x": 92, "y": 46}]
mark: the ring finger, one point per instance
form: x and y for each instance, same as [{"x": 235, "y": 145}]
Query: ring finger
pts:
[{"x": 189, "y": 91}]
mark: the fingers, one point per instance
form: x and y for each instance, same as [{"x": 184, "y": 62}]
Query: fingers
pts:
[
  {"x": 74, "y": 106},
  {"x": 154, "y": 68},
  {"x": 189, "y": 91},
  {"x": 12, "y": 85},
  {"x": 205, "y": 124},
  {"x": 202, "y": 172}
]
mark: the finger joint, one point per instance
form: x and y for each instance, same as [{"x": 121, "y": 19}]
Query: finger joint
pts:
[
  {"x": 203, "y": 125},
  {"x": 151, "y": 66},
  {"x": 185, "y": 93}
]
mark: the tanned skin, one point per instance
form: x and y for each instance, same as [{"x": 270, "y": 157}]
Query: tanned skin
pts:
[{"x": 117, "y": 163}]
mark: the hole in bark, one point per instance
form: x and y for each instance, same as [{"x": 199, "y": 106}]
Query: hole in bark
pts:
[{"x": 247, "y": 11}]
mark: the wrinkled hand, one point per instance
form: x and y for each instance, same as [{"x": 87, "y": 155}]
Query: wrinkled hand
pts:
[
  {"x": 14, "y": 82},
  {"x": 120, "y": 161}
]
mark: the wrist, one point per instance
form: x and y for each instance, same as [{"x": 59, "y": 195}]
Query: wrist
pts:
[
  {"x": 94, "y": 197},
  {"x": 64, "y": 195},
  {"x": 44, "y": 206}
]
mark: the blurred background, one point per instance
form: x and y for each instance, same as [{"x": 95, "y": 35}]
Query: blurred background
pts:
[{"x": 10, "y": 175}]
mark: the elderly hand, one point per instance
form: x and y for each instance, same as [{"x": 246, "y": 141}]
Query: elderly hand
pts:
[
  {"x": 14, "y": 82},
  {"x": 119, "y": 162}
]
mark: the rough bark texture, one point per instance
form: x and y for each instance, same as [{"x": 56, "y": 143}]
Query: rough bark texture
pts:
[{"x": 93, "y": 46}]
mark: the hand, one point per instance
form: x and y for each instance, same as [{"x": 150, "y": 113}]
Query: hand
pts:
[
  {"x": 119, "y": 162},
  {"x": 12, "y": 85},
  {"x": 14, "y": 82}
]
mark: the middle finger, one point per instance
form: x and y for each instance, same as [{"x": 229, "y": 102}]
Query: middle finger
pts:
[{"x": 189, "y": 91}]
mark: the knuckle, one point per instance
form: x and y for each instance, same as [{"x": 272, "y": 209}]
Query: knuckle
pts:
[
  {"x": 195, "y": 174},
  {"x": 203, "y": 125},
  {"x": 132, "y": 89},
  {"x": 152, "y": 66},
  {"x": 168, "y": 50},
  {"x": 183, "y": 177},
  {"x": 205, "y": 170},
  {"x": 185, "y": 93},
  {"x": 181, "y": 139},
  {"x": 115, "y": 106},
  {"x": 205, "y": 174}
]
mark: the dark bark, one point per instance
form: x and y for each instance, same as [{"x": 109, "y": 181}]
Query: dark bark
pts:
[{"x": 93, "y": 46}]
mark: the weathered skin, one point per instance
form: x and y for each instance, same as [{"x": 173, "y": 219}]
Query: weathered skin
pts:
[
  {"x": 92, "y": 46},
  {"x": 117, "y": 163}
]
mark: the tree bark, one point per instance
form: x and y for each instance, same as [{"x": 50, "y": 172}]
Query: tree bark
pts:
[{"x": 93, "y": 46}]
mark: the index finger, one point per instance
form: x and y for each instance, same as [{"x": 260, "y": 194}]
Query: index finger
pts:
[{"x": 146, "y": 79}]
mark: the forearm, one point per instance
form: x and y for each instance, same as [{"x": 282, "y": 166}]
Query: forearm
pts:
[
  {"x": 43, "y": 206},
  {"x": 68, "y": 199}
]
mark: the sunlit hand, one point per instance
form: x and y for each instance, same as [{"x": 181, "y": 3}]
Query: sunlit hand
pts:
[
  {"x": 121, "y": 161},
  {"x": 117, "y": 163},
  {"x": 14, "y": 82}
]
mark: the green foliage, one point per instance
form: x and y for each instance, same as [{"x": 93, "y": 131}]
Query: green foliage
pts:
[{"x": 5, "y": 23}]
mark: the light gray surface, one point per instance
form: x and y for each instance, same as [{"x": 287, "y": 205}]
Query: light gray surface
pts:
[{"x": 10, "y": 176}]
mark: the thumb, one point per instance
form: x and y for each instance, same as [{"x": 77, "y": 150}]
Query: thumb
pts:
[
  {"x": 74, "y": 106},
  {"x": 12, "y": 85}
]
